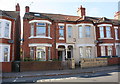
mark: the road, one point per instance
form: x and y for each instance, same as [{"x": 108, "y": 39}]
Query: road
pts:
[{"x": 104, "y": 76}]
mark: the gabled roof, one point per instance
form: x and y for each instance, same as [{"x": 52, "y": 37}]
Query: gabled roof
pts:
[
  {"x": 69, "y": 18},
  {"x": 10, "y": 14}
]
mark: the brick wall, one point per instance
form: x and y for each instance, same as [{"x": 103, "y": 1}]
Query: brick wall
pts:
[
  {"x": 41, "y": 65},
  {"x": 6, "y": 66},
  {"x": 113, "y": 61}
]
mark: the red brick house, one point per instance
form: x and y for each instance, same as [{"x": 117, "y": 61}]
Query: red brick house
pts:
[
  {"x": 56, "y": 36},
  {"x": 10, "y": 28}
]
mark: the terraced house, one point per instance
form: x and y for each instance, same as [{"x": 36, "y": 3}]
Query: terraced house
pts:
[
  {"x": 10, "y": 36},
  {"x": 56, "y": 36}
]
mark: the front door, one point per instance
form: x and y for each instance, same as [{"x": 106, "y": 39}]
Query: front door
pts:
[{"x": 60, "y": 55}]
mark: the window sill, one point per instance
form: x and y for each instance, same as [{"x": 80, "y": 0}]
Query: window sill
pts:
[
  {"x": 39, "y": 37},
  {"x": 61, "y": 38},
  {"x": 4, "y": 38},
  {"x": 105, "y": 38}
]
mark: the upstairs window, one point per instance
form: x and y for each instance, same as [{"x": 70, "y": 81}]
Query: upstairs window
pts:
[
  {"x": 5, "y": 28},
  {"x": 80, "y": 31},
  {"x": 48, "y": 30},
  {"x": 6, "y": 34},
  {"x": 116, "y": 34},
  {"x": 69, "y": 32},
  {"x": 87, "y": 29},
  {"x": 101, "y": 32},
  {"x": 32, "y": 29},
  {"x": 108, "y": 32},
  {"x": 61, "y": 31},
  {"x": 41, "y": 29}
]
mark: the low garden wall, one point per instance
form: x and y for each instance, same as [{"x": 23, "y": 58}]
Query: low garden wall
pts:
[
  {"x": 6, "y": 66},
  {"x": 93, "y": 62},
  {"x": 113, "y": 61},
  {"x": 41, "y": 65},
  {"x": 96, "y": 62}
]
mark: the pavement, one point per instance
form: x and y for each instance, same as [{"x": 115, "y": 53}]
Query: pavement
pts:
[{"x": 59, "y": 72}]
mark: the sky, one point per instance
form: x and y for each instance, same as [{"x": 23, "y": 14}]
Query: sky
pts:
[{"x": 95, "y": 8}]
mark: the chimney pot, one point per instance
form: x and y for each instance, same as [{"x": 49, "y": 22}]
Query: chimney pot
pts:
[
  {"x": 81, "y": 11},
  {"x": 27, "y": 9},
  {"x": 17, "y": 7}
]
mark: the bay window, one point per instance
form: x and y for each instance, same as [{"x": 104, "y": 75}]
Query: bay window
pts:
[
  {"x": 40, "y": 54},
  {"x": 5, "y": 28},
  {"x": 108, "y": 32},
  {"x": 87, "y": 29},
  {"x": 61, "y": 31},
  {"x": 101, "y": 32},
  {"x": 80, "y": 31},
  {"x": 69, "y": 31},
  {"x": 5, "y": 53},
  {"x": 41, "y": 29}
]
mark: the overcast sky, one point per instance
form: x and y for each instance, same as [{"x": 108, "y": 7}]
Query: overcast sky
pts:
[{"x": 97, "y": 8}]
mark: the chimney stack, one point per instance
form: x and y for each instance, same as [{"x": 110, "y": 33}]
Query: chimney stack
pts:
[
  {"x": 117, "y": 15},
  {"x": 27, "y": 9},
  {"x": 81, "y": 11},
  {"x": 17, "y": 7}
]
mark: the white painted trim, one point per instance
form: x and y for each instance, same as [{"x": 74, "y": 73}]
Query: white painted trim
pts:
[
  {"x": 115, "y": 27},
  {"x": 62, "y": 24},
  {"x": 2, "y": 52},
  {"x": 85, "y": 45},
  {"x": 106, "y": 44},
  {"x": 63, "y": 44},
  {"x": 69, "y": 25},
  {"x": 31, "y": 37},
  {"x": 117, "y": 43},
  {"x": 84, "y": 24},
  {"x": 104, "y": 25},
  {"x": 3, "y": 28},
  {"x": 41, "y": 21},
  {"x": 40, "y": 44},
  {"x": 105, "y": 38},
  {"x": 61, "y": 38}
]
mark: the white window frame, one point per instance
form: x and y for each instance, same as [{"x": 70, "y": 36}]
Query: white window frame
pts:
[
  {"x": 32, "y": 29},
  {"x": 61, "y": 37},
  {"x": 109, "y": 48},
  {"x": 69, "y": 32},
  {"x": 81, "y": 52},
  {"x": 2, "y": 46},
  {"x": 101, "y": 29},
  {"x": 89, "y": 52},
  {"x": 108, "y": 32},
  {"x": 102, "y": 48},
  {"x": 49, "y": 53},
  {"x": 49, "y": 28},
  {"x": 41, "y": 26},
  {"x": 87, "y": 34},
  {"x": 3, "y": 22},
  {"x": 116, "y": 34},
  {"x": 80, "y": 31},
  {"x": 43, "y": 49}
]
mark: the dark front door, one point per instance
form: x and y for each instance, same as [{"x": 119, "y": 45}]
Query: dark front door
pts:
[
  {"x": 69, "y": 54},
  {"x": 60, "y": 55}
]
